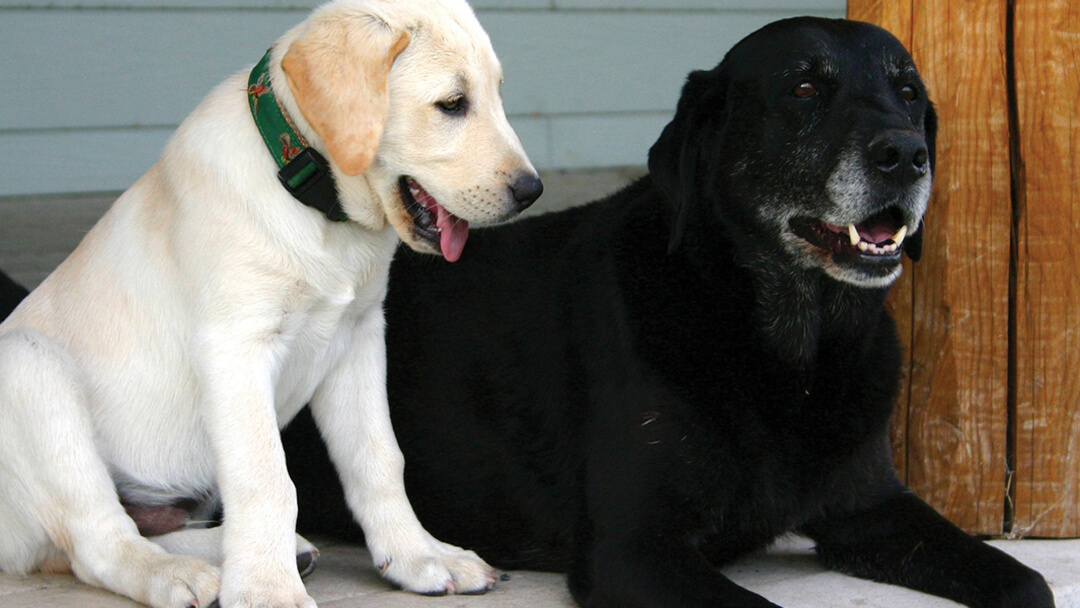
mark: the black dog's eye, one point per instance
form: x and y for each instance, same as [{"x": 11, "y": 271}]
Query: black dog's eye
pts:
[
  {"x": 454, "y": 106},
  {"x": 908, "y": 93},
  {"x": 804, "y": 89}
]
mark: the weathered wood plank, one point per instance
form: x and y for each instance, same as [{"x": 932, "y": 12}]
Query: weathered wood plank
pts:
[
  {"x": 959, "y": 395},
  {"x": 1047, "y": 481}
]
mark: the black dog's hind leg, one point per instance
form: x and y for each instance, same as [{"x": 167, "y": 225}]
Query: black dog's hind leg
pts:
[{"x": 905, "y": 542}]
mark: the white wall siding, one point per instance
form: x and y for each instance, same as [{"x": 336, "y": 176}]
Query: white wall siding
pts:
[{"x": 91, "y": 89}]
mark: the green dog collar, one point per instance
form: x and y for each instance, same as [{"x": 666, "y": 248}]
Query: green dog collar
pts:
[{"x": 302, "y": 170}]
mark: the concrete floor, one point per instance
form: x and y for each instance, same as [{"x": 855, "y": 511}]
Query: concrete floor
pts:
[
  {"x": 36, "y": 233},
  {"x": 788, "y": 575}
]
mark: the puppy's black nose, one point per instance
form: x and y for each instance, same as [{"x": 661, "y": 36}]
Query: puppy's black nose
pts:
[
  {"x": 526, "y": 190},
  {"x": 901, "y": 155}
]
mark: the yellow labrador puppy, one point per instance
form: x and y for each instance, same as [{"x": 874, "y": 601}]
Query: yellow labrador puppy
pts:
[{"x": 239, "y": 279}]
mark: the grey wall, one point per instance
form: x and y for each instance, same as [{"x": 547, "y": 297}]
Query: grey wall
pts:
[{"x": 91, "y": 89}]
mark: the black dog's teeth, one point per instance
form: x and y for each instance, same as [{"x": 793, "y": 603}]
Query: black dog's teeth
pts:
[
  {"x": 874, "y": 248},
  {"x": 840, "y": 240}
]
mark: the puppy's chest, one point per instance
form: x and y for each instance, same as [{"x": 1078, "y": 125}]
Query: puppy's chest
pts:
[{"x": 313, "y": 337}]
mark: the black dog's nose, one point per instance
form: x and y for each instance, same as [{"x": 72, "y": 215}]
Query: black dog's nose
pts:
[
  {"x": 526, "y": 190},
  {"x": 900, "y": 154}
]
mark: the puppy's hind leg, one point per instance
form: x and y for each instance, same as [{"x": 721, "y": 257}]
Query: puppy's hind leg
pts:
[
  {"x": 353, "y": 416},
  {"x": 59, "y": 503},
  {"x": 206, "y": 544}
]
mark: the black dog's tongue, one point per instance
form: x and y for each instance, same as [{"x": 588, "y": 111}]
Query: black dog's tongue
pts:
[
  {"x": 879, "y": 230},
  {"x": 882, "y": 227}
]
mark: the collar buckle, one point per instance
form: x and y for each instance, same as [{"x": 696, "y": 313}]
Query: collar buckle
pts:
[{"x": 307, "y": 177}]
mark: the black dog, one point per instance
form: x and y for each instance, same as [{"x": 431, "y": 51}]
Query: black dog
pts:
[
  {"x": 639, "y": 390},
  {"x": 11, "y": 293}
]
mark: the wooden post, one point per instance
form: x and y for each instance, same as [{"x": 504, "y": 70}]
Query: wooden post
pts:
[
  {"x": 954, "y": 311},
  {"x": 1047, "y": 421}
]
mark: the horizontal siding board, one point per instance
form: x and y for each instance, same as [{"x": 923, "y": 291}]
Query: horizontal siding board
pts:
[
  {"x": 802, "y": 6},
  {"x": 133, "y": 68},
  {"x": 535, "y": 135},
  {"x": 120, "y": 69},
  {"x": 178, "y": 5},
  {"x": 559, "y": 62},
  {"x": 621, "y": 5},
  {"x": 604, "y": 141},
  {"x": 81, "y": 161},
  {"x": 96, "y": 161},
  {"x": 78, "y": 82},
  {"x": 103, "y": 160}
]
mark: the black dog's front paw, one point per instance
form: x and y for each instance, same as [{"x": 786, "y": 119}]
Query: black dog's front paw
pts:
[
  {"x": 903, "y": 541},
  {"x": 655, "y": 571},
  {"x": 1026, "y": 589}
]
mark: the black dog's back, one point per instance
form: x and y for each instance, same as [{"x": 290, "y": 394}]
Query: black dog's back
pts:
[{"x": 11, "y": 293}]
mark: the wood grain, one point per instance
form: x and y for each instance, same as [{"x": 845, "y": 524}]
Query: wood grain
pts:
[{"x": 1047, "y": 428}]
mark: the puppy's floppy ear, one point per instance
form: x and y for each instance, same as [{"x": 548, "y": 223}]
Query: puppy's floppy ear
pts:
[
  {"x": 338, "y": 72},
  {"x": 914, "y": 243},
  {"x": 673, "y": 159}
]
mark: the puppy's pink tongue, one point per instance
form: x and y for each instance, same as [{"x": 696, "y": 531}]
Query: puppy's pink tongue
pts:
[{"x": 453, "y": 233}]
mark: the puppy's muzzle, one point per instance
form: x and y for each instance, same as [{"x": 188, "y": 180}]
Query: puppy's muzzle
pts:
[{"x": 900, "y": 156}]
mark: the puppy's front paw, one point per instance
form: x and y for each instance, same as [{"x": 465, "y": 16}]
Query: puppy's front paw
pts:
[
  {"x": 177, "y": 581},
  {"x": 435, "y": 568}
]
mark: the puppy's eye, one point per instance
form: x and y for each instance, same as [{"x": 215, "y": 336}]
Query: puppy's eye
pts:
[
  {"x": 805, "y": 89},
  {"x": 455, "y": 106},
  {"x": 908, "y": 93}
]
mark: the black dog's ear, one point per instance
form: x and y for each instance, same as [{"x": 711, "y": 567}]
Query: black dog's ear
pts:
[
  {"x": 673, "y": 159},
  {"x": 914, "y": 243}
]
